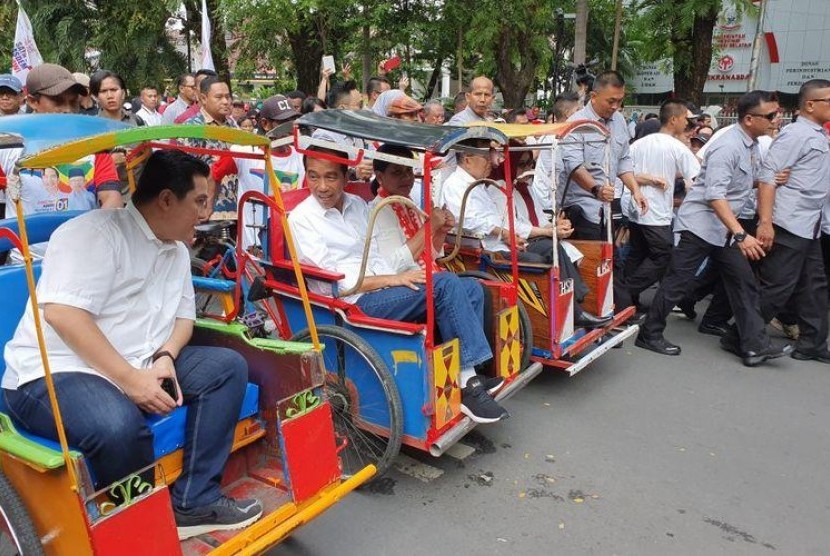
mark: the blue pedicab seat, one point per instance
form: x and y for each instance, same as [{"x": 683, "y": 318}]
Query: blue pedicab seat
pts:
[{"x": 168, "y": 431}]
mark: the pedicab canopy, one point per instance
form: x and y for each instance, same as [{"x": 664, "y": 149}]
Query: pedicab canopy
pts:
[
  {"x": 10, "y": 141},
  {"x": 560, "y": 130},
  {"x": 59, "y": 138},
  {"x": 367, "y": 125}
]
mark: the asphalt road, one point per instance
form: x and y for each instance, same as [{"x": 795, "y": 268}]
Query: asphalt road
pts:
[{"x": 639, "y": 454}]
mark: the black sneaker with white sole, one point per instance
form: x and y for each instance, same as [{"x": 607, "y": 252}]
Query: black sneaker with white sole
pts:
[
  {"x": 492, "y": 384},
  {"x": 224, "y": 514},
  {"x": 478, "y": 405}
]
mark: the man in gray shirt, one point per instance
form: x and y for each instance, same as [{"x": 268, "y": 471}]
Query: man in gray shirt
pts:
[
  {"x": 709, "y": 228},
  {"x": 588, "y": 197},
  {"x": 789, "y": 222},
  {"x": 479, "y": 102},
  {"x": 188, "y": 94}
]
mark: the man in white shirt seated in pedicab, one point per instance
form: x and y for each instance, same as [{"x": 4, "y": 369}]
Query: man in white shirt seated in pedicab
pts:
[
  {"x": 117, "y": 307},
  {"x": 485, "y": 213},
  {"x": 330, "y": 228}
]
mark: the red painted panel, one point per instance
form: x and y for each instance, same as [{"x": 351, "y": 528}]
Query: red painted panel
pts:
[
  {"x": 145, "y": 527},
  {"x": 772, "y": 47},
  {"x": 310, "y": 453}
]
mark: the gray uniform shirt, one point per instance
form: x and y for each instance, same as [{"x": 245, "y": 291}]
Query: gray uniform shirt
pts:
[
  {"x": 466, "y": 115},
  {"x": 803, "y": 148},
  {"x": 588, "y": 149},
  {"x": 726, "y": 173}
]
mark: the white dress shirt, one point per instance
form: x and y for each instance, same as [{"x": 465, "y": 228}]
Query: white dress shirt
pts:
[
  {"x": 390, "y": 239},
  {"x": 334, "y": 240},
  {"x": 664, "y": 156},
  {"x": 150, "y": 117},
  {"x": 109, "y": 263},
  {"x": 481, "y": 213}
]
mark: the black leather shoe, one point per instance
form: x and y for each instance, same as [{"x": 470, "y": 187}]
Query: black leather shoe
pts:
[
  {"x": 660, "y": 345},
  {"x": 587, "y": 320},
  {"x": 774, "y": 350},
  {"x": 687, "y": 308},
  {"x": 729, "y": 344},
  {"x": 713, "y": 329},
  {"x": 821, "y": 356}
]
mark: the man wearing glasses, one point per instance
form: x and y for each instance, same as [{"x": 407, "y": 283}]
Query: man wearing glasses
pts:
[
  {"x": 709, "y": 227},
  {"x": 789, "y": 222},
  {"x": 187, "y": 96}
]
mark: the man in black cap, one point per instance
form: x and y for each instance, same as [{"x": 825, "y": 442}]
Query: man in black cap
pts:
[{"x": 11, "y": 93}]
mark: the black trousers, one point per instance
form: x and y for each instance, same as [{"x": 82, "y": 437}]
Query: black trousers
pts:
[
  {"x": 543, "y": 248},
  {"x": 793, "y": 271},
  {"x": 648, "y": 256},
  {"x": 741, "y": 288},
  {"x": 584, "y": 228}
]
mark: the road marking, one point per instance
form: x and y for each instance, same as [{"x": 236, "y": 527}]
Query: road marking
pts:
[{"x": 421, "y": 471}]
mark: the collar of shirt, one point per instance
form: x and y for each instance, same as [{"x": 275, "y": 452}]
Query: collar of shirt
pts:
[
  {"x": 748, "y": 141},
  {"x": 464, "y": 176},
  {"x": 812, "y": 125},
  {"x": 141, "y": 222},
  {"x": 592, "y": 114},
  {"x": 472, "y": 115},
  {"x": 209, "y": 120},
  {"x": 348, "y": 204}
]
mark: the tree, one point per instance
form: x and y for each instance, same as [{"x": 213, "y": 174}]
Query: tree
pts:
[{"x": 681, "y": 30}]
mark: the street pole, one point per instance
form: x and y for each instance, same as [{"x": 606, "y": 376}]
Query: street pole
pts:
[
  {"x": 756, "y": 48},
  {"x": 617, "y": 25},
  {"x": 581, "y": 31}
]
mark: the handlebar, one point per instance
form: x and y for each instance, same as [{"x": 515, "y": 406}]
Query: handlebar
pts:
[{"x": 457, "y": 247}]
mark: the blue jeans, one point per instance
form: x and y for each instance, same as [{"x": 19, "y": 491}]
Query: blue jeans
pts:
[
  {"x": 459, "y": 311},
  {"x": 110, "y": 430}
]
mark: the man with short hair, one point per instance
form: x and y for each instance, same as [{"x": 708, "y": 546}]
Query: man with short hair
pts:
[
  {"x": 330, "y": 227},
  {"x": 588, "y": 197},
  {"x": 188, "y": 95},
  {"x": 564, "y": 106},
  {"x": 296, "y": 98},
  {"x": 117, "y": 307},
  {"x": 792, "y": 274},
  {"x": 52, "y": 89},
  {"x": 88, "y": 106},
  {"x": 374, "y": 87},
  {"x": 215, "y": 109},
  {"x": 274, "y": 121},
  {"x": 662, "y": 156},
  {"x": 434, "y": 112},
  {"x": 148, "y": 112},
  {"x": 193, "y": 109},
  {"x": 479, "y": 101},
  {"x": 709, "y": 227},
  {"x": 11, "y": 93},
  {"x": 345, "y": 95}
]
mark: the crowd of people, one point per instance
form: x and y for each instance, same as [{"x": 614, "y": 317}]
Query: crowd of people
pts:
[{"x": 740, "y": 213}]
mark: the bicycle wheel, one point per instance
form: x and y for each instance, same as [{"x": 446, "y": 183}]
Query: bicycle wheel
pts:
[
  {"x": 17, "y": 532},
  {"x": 525, "y": 326},
  {"x": 365, "y": 401}
]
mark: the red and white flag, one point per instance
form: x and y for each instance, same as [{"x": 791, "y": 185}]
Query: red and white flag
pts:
[
  {"x": 25, "y": 54},
  {"x": 207, "y": 58}
]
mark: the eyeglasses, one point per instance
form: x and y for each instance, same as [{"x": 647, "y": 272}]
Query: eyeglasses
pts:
[
  {"x": 771, "y": 116},
  {"x": 819, "y": 100}
]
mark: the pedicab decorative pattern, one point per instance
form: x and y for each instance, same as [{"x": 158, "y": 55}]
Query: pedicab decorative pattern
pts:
[
  {"x": 126, "y": 491},
  {"x": 301, "y": 404},
  {"x": 508, "y": 343},
  {"x": 446, "y": 362}
]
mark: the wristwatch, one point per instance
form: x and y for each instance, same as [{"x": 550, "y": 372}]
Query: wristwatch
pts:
[
  {"x": 595, "y": 190},
  {"x": 739, "y": 237},
  {"x": 159, "y": 354}
]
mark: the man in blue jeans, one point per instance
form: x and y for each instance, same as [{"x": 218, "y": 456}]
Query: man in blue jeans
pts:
[
  {"x": 330, "y": 231},
  {"x": 118, "y": 305}
]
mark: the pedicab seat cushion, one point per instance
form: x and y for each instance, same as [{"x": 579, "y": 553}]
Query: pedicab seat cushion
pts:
[{"x": 168, "y": 431}]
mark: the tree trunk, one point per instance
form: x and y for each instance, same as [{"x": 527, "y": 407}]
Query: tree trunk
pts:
[
  {"x": 692, "y": 62},
  {"x": 307, "y": 52},
  {"x": 433, "y": 78},
  {"x": 581, "y": 33},
  {"x": 514, "y": 82}
]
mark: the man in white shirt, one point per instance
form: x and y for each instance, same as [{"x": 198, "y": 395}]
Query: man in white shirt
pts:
[
  {"x": 330, "y": 231},
  {"x": 117, "y": 304},
  {"x": 665, "y": 157},
  {"x": 149, "y": 106}
]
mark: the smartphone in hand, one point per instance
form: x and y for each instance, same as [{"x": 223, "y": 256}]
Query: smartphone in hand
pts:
[{"x": 328, "y": 63}]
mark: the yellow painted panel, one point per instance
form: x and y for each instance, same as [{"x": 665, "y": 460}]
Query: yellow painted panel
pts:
[
  {"x": 509, "y": 349},
  {"x": 446, "y": 368}
]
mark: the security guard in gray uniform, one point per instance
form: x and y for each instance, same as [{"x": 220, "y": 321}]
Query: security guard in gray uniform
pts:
[
  {"x": 708, "y": 227},
  {"x": 789, "y": 225}
]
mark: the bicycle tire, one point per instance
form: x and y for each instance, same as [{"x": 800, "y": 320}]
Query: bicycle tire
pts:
[{"x": 18, "y": 536}]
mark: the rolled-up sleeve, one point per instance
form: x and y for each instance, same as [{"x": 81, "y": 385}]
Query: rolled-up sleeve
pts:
[
  {"x": 783, "y": 153},
  {"x": 720, "y": 165}
]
